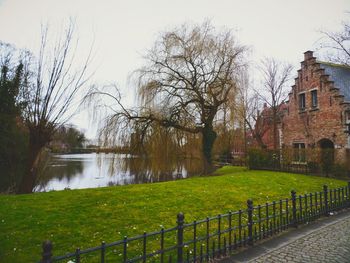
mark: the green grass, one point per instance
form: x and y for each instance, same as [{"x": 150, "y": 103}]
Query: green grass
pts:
[{"x": 83, "y": 218}]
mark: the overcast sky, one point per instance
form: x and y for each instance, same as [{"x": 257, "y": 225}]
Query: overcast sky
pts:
[{"x": 123, "y": 30}]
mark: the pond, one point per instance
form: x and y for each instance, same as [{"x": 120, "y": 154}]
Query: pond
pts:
[{"x": 77, "y": 171}]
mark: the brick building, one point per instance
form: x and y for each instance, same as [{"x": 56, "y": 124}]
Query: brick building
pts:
[{"x": 318, "y": 111}]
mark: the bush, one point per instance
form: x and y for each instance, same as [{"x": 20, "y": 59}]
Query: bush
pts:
[
  {"x": 259, "y": 158},
  {"x": 313, "y": 167},
  {"x": 340, "y": 170}
]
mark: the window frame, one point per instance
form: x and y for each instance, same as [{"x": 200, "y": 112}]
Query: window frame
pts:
[
  {"x": 299, "y": 152},
  {"x": 302, "y": 101},
  {"x": 314, "y": 98}
]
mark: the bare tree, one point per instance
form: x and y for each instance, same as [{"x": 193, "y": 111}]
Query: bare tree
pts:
[
  {"x": 50, "y": 94},
  {"x": 247, "y": 106},
  {"x": 338, "y": 44},
  {"x": 188, "y": 75},
  {"x": 276, "y": 76}
]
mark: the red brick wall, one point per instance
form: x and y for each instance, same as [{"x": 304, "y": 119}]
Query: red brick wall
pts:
[{"x": 312, "y": 125}]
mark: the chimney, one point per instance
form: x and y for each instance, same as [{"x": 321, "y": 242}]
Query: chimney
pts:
[
  {"x": 308, "y": 54},
  {"x": 265, "y": 105}
]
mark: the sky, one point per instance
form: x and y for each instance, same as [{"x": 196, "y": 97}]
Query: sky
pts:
[{"x": 121, "y": 31}]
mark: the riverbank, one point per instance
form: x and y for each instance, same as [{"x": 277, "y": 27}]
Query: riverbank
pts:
[{"x": 83, "y": 218}]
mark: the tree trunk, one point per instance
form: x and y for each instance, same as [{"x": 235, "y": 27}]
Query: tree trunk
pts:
[
  {"x": 28, "y": 181},
  {"x": 208, "y": 139},
  {"x": 275, "y": 136}
]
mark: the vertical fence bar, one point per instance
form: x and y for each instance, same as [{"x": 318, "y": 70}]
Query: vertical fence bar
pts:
[
  {"x": 125, "y": 245},
  {"x": 325, "y": 195},
  {"x": 77, "y": 255},
  {"x": 259, "y": 215},
  {"x": 194, "y": 241},
  {"x": 348, "y": 194},
  {"x": 330, "y": 206},
  {"x": 311, "y": 208},
  {"x": 250, "y": 221},
  {"x": 201, "y": 254},
  {"x": 267, "y": 217},
  {"x": 219, "y": 233},
  {"x": 281, "y": 216},
  {"x": 47, "y": 252},
  {"x": 274, "y": 215},
  {"x": 240, "y": 227},
  {"x": 207, "y": 238},
  {"x": 300, "y": 208},
  {"x": 316, "y": 205},
  {"x": 230, "y": 231},
  {"x": 306, "y": 208},
  {"x": 180, "y": 237},
  {"x": 294, "y": 209},
  {"x": 162, "y": 245},
  {"x": 103, "y": 250},
  {"x": 287, "y": 214},
  {"x": 144, "y": 252}
]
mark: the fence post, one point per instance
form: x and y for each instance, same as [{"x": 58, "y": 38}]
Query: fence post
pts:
[
  {"x": 348, "y": 197},
  {"x": 47, "y": 252},
  {"x": 180, "y": 236},
  {"x": 325, "y": 193},
  {"x": 294, "y": 209},
  {"x": 250, "y": 221}
]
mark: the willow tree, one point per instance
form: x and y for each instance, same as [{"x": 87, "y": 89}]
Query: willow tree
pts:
[{"x": 187, "y": 76}]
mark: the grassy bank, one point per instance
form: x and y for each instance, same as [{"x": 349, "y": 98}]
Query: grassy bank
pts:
[{"x": 83, "y": 218}]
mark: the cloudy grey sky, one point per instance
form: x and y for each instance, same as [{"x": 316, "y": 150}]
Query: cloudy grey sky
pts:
[{"x": 122, "y": 30}]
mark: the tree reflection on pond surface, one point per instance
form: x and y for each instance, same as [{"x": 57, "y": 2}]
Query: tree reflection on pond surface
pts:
[{"x": 76, "y": 171}]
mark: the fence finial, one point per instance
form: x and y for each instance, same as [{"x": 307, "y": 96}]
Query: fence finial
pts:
[{"x": 47, "y": 252}]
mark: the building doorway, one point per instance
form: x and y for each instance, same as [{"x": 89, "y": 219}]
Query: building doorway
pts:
[{"x": 327, "y": 155}]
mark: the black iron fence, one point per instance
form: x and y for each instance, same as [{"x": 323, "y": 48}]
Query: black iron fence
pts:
[
  {"x": 213, "y": 237},
  {"x": 328, "y": 162}
]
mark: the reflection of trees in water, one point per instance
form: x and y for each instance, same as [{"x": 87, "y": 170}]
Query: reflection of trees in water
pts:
[
  {"x": 121, "y": 169},
  {"x": 147, "y": 170},
  {"x": 65, "y": 169}
]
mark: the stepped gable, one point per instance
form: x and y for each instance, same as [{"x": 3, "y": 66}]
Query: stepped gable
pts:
[{"x": 340, "y": 75}]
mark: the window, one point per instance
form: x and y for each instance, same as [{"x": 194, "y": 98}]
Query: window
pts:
[
  {"x": 347, "y": 117},
  {"x": 302, "y": 101},
  {"x": 314, "y": 101},
  {"x": 299, "y": 152}
]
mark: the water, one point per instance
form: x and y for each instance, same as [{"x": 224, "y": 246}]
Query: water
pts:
[{"x": 77, "y": 171}]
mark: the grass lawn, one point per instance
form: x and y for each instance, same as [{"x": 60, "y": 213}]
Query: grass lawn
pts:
[{"x": 83, "y": 218}]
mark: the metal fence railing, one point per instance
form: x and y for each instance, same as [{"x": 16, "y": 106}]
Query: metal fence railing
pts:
[{"x": 212, "y": 237}]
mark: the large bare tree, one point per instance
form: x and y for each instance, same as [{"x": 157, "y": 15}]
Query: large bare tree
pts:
[
  {"x": 276, "y": 76},
  {"x": 50, "y": 94},
  {"x": 188, "y": 74}
]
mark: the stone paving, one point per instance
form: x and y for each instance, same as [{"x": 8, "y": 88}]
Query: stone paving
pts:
[{"x": 328, "y": 244}]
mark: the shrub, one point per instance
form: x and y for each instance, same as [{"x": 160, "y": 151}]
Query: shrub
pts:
[
  {"x": 339, "y": 170},
  {"x": 259, "y": 158}
]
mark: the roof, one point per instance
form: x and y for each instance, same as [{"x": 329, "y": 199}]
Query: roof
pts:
[{"x": 340, "y": 74}]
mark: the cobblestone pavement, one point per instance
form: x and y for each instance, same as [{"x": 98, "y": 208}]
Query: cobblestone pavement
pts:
[{"x": 328, "y": 244}]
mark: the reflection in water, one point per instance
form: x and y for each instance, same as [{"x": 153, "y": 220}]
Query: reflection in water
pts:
[{"x": 76, "y": 171}]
